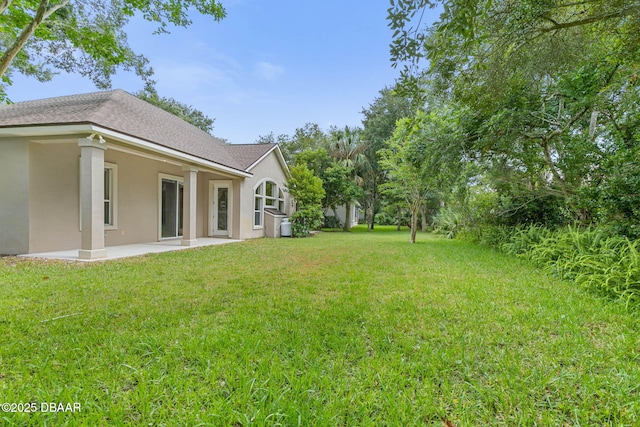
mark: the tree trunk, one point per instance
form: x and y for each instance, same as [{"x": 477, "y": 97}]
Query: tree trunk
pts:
[
  {"x": 374, "y": 201},
  {"x": 347, "y": 217},
  {"x": 423, "y": 213},
  {"x": 371, "y": 212},
  {"x": 367, "y": 213},
  {"x": 414, "y": 224}
]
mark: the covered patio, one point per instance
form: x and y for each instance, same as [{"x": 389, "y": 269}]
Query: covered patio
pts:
[{"x": 125, "y": 251}]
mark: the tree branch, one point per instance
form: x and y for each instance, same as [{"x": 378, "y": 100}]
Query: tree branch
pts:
[
  {"x": 4, "y": 4},
  {"x": 586, "y": 21},
  {"x": 45, "y": 10}
]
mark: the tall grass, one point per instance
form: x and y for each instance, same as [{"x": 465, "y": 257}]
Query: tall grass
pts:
[{"x": 593, "y": 258}]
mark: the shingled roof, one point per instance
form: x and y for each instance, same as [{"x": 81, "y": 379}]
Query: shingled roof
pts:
[{"x": 124, "y": 113}]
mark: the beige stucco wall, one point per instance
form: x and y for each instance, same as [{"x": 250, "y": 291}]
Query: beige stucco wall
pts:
[
  {"x": 54, "y": 210},
  {"x": 342, "y": 213},
  {"x": 139, "y": 197},
  {"x": 205, "y": 203},
  {"x": 14, "y": 197},
  {"x": 39, "y": 196},
  {"x": 54, "y": 192},
  {"x": 268, "y": 169}
]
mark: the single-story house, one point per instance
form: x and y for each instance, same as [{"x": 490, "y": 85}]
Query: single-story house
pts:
[
  {"x": 103, "y": 169},
  {"x": 355, "y": 214}
]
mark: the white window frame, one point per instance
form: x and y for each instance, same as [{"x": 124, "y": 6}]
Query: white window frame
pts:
[
  {"x": 276, "y": 201},
  {"x": 178, "y": 179},
  {"x": 258, "y": 213},
  {"x": 212, "y": 203},
  {"x": 112, "y": 198}
]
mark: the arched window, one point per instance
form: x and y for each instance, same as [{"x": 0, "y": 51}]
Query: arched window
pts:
[{"x": 266, "y": 195}]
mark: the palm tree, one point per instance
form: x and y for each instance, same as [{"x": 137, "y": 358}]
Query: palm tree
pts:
[{"x": 347, "y": 149}]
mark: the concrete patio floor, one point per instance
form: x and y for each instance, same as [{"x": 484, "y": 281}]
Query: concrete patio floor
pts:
[{"x": 116, "y": 252}]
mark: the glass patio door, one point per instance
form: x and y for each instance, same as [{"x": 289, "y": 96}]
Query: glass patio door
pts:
[{"x": 171, "y": 210}]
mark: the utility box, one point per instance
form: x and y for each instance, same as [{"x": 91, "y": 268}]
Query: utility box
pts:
[{"x": 272, "y": 221}]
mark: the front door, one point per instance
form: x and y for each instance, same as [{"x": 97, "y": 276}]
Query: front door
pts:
[{"x": 221, "y": 208}]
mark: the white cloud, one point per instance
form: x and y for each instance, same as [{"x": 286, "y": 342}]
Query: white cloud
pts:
[{"x": 268, "y": 71}]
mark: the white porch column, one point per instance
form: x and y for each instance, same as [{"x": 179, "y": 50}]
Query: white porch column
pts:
[
  {"x": 92, "y": 198},
  {"x": 189, "y": 204}
]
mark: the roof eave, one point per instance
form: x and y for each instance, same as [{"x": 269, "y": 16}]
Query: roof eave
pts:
[{"x": 78, "y": 128}]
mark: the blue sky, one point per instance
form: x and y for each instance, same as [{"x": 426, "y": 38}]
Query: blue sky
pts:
[{"x": 268, "y": 67}]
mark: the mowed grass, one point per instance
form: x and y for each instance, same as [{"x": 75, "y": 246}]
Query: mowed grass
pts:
[{"x": 341, "y": 329}]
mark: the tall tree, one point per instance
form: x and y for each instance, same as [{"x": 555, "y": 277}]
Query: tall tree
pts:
[
  {"x": 424, "y": 159},
  {"x": 84, "y": 36},
  {"x": 185, "y": 112},
  {"x": 406, "y": 170},
  {"x": 307, "y": 137},
  {"x": 468, "y": 27},
  {"x": 379, "y": 123},
  {"x": 548, "y": 85},
  {"x": 347, "y": 147}
]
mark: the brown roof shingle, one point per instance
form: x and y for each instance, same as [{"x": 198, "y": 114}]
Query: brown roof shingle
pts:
[
  {"x": 122, "y": 112},
  {"x": 247, "y": 154}
]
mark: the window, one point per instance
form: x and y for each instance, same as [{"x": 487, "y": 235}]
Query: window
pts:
[
  {"x": 267, "y": 195},
  {"x": 270, "y": 194},
  {"x": 109, "y": 187},
  {"x": 280, "y": 200},
  {"x": 257, "y": 212}
]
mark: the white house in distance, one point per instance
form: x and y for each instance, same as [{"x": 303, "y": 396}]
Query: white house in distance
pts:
[
  {"x": 103, "y": 169},
  {"x": 341, "y": 214}
]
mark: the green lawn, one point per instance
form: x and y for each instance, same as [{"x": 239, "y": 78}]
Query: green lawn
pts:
[{"x": 344, "y": 329}]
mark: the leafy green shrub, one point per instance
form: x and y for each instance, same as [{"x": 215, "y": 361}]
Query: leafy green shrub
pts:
[
  {"x": 389, "y": 216},
  {"x": 614, "y": 270},
  {"x": 488, "y": 235},
  {"x": 562, "y": 251},
  {"x": 331, "y": 221},
  {"x": 448, "y": 222},
  {"x": 305, "y": 220},
  {"x": 522, "y": 239},
  {"x": 593, "y": 258},
  {"x": 306, "y": 189}
]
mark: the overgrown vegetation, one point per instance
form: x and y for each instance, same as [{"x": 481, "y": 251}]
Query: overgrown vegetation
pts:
[
  {"x": 596, "y": 259},
  {"x": 340, "y": 329},
  {"x": 532, "y": 110}
]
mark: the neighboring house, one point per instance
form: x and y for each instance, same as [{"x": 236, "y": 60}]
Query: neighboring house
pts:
[
  {"x": 103, "y": 169},
  {"x": 341, "y": 213},
  {"x": 355, "y": 213}
]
